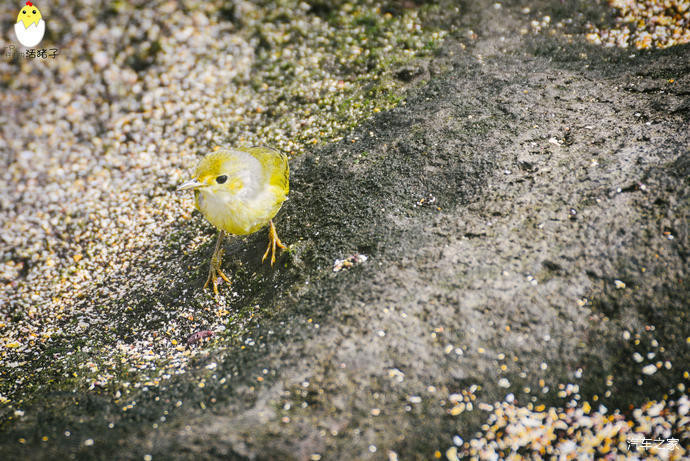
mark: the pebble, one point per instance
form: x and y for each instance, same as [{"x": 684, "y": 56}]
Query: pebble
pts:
[{"x": 649, "y": 369}]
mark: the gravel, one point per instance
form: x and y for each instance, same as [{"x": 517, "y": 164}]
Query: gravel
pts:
[{"x": 645, "y": 25}]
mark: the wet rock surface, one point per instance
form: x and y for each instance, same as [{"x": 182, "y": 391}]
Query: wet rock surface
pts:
[{"x": 524, "y": 217}]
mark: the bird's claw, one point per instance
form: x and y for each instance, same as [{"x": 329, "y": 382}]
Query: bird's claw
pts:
[
  {"x": 273, "y": 241},
  {"x": 213, "y": 274},
  {"x": 214, "y": 269}
]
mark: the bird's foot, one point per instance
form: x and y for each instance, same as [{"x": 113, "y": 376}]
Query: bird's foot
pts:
[
  {"x": 213, "y": 273},
  {"x": 273, "y": 241},
  {"x": 214, "y": 269}
]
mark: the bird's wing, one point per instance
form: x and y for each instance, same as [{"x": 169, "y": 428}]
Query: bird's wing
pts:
[{"x": 276, "y": 165}]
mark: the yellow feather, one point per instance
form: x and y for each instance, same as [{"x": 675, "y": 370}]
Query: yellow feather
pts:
[
  {"x": 253, "y": 190},
  {"x": 275, "y": 162},
  {"x": 240, "y": 191}
]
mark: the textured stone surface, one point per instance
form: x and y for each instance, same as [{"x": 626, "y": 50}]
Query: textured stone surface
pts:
[{"x": 524, "y": 215}]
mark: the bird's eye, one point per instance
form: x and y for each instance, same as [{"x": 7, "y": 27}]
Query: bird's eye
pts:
[
  {"x": 221, "y": 179},
  {"x": 23, "y": 11},
  {"x": 34, "y": 11}
]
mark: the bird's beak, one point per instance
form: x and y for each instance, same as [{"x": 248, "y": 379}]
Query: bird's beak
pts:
[{"x": 191, "y": 184}]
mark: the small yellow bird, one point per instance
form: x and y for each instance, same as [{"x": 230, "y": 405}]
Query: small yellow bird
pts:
[{"x": 240, "y": 191}]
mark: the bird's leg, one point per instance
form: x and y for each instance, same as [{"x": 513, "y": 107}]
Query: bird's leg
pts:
[
  {"x": 214, "y": 269},
  {"x": 273, "y": 241}
]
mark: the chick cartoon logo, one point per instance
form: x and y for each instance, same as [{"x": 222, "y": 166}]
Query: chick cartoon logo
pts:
[{"x": 30, "y": 26}]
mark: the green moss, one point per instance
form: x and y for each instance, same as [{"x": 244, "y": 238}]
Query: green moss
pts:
[{"x": 316, "y": 79}]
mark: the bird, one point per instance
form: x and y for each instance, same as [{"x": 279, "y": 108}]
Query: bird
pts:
[
  {"x": 240, "y": 191},
  {"x": 30, "y": 26}
]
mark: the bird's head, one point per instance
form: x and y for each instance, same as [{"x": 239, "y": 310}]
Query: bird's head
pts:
[{"x": 217, "y": 172}]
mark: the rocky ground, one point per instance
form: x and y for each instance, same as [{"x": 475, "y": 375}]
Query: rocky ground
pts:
[{"x": 496, "y": 266}]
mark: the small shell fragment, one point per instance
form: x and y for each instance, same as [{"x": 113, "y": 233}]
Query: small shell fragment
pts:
[
  {"x": 198, "y": 336},
  {"x": 348, "y": 262}
]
